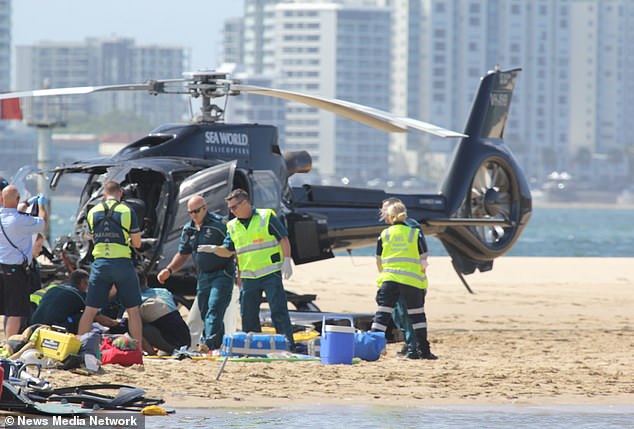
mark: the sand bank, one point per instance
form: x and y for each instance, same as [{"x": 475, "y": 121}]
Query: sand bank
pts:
[{"x": 537, "y": 331}]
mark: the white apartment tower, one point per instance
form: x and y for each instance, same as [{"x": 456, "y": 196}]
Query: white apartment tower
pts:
[
  {"x": 462, "y": 39},
  {"x": 335, "y": 51},
  {"x": 259, "y": 53}
]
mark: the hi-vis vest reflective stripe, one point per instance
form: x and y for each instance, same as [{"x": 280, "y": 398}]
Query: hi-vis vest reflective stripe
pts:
[
  {"x": 400, "y": 258},
  {"x": 107, "y": 234},
  {"x": 36, "y": 297},
  {"x": 255, "y": 246}
]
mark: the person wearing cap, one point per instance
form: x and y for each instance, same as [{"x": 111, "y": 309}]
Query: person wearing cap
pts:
[
  {"x": 261, "y": 244},
  {"x": 16, "y": 242}
]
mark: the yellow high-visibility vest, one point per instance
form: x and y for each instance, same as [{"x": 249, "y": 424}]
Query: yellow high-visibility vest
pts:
[
  {"x": 110, "y": 235},
  {"x": 36, "y": 297},
  {"x": 400, "y": 258},
  {"x": 255, "y": 246}
]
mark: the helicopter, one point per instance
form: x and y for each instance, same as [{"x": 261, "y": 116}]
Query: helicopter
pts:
[{"x": 482, "y": 206}]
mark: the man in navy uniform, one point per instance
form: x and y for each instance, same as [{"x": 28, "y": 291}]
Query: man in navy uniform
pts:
[
  {"x": 114, "y": 228},
  {"x": 215, "y": 273}
]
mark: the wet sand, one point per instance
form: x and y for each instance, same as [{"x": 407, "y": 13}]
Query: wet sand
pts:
[{"x": 537, "y": 331}]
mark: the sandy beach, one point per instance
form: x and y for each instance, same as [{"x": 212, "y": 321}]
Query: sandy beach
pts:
[{"x": 537, "y": 331}]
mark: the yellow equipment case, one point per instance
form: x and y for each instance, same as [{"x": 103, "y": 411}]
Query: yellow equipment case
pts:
[{"x": 56, "y": 343}]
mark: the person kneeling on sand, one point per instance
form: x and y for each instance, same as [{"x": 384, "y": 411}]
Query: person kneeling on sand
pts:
[
  {"x": 63, "y": 305},
  {"x": 163, "y": 326}
]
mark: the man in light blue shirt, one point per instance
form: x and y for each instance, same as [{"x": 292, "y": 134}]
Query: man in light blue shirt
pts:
[{"x": 16, "y": 243}]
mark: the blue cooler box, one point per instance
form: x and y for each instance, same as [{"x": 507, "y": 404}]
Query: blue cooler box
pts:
[{"x": 253, "y": 344}]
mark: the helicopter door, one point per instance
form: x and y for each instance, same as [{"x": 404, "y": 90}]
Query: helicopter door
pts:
[{"x": 213, "y": 184}]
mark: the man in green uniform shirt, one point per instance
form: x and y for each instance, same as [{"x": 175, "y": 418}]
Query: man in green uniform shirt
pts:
[{"x": 215, "y": 273}]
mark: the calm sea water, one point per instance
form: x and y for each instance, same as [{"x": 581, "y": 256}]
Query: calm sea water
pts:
[
  {"x": 367, "y": 416},
  {"x": 562, "y": 231},
  {"x": 566, "y": 231}
]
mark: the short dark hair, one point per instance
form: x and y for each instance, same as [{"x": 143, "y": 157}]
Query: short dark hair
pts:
[
  {"x": 238, "y": 193},
  {"x": 77, "y": 276},
  {"x": 111, "y": 187}
]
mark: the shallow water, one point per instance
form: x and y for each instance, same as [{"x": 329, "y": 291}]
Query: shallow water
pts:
[{"x": 370, "y": 416}]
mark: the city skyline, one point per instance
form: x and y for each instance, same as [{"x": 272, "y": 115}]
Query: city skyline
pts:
[{"x": 145, "y": 21}]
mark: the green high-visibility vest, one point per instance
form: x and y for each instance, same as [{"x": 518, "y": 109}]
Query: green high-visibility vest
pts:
[
  {"x": 110, "y": 229},
  {"x": 400, "y": 257},
  {"x": 255, "y": 246},
  {"x": 36, "y": 297}
]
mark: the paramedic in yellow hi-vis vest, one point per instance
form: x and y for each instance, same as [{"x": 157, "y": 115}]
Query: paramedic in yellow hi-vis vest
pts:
[
  {"x": 261, "y": 245},
  {"x": 114, "y": 227},
  {"x": 402, "y": 273}
]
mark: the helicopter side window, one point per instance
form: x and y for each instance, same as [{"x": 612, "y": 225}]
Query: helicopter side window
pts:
[{"x": 266, "y": 190}]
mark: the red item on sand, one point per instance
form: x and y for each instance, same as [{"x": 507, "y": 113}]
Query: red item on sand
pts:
[{"x": 111, "y": 354}]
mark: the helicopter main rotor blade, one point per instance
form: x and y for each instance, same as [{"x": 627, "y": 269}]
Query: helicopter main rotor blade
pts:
[
  {"x": 326, "y": 104},
  {"x": 366, "y": 115},
  {"x": 153, "y": 86}
]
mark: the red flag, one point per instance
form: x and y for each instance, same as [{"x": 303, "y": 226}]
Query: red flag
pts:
[{"x": 10, "y": 109}]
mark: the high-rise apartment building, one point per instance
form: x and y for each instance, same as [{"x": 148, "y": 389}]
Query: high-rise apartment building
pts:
[
  {"x": 259, "y": 49},
  {"x": 463, "y": 39},
  {"x": 335, "y": 51},
  {"x": 573, "y": 99},
  {"x": 233, "y": 41},
  {"x": 5, "y": 45},
  {"x": 103, "y": 62}
]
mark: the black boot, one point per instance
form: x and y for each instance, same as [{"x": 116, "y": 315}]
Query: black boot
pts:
[
  {"x": 425, "y": 353},
  {"x": 412, "y": 353}
]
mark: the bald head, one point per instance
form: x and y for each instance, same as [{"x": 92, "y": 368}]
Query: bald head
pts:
[
  {"x": 10, "y": 197},
  {"x": 195, "y": 202},
  {"x": 197, "y": 208}
]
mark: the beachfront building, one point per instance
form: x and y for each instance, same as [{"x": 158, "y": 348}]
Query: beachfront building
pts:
[
  {"x": 101, "y": 62},
  {"x": 259, "y": 50},
  {"x": 601, "y": 102},
  {"x": 335, "y": 51},
  {"x": 571, "y": 106}
]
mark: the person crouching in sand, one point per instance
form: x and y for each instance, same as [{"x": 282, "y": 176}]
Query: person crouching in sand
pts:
[{"x": 401, "y": 268}]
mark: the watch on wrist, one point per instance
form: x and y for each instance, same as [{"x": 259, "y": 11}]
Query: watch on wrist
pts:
[{"x": 169, "y": 270}]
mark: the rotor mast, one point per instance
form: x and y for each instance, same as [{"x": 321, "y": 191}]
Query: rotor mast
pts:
[{"x": 207, "y": 85}]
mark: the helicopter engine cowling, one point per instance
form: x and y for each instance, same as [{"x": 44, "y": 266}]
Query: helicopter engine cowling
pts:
[{"x": 298, "y": 162}]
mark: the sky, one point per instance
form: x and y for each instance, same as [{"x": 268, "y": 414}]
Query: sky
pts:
[{"x": 194, "y": 24}]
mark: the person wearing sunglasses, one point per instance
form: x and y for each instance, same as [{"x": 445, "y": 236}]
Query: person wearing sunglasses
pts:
[
  {"x": 260, "y": 243},
  {"x": 215, "y": 273}
]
